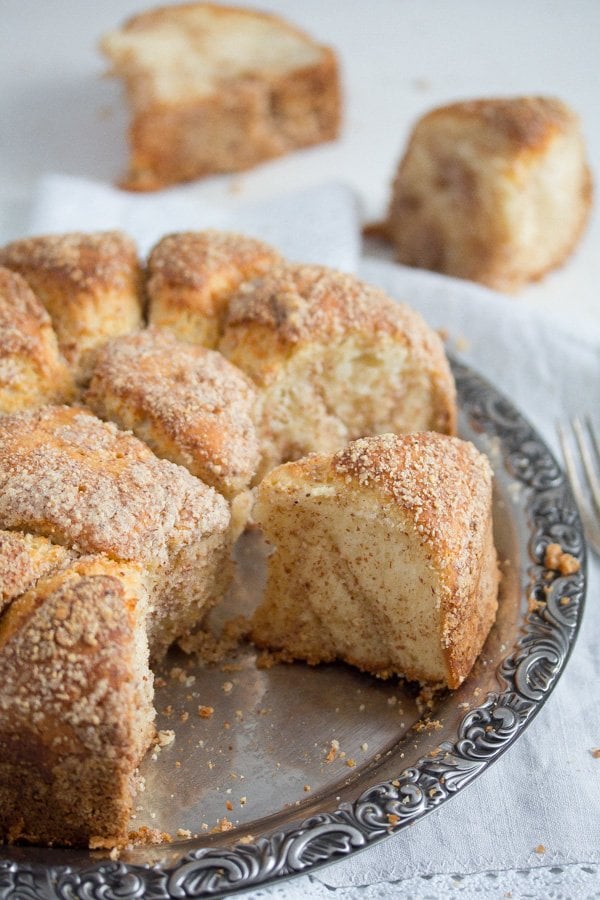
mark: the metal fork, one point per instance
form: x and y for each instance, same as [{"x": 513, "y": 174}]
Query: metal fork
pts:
[{"x": 586, "y": 490}]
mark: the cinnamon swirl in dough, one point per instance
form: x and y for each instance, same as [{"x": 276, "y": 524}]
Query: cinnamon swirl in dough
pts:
[
  {"x": 89, "y": 284},
  {"x": 189, "y": 405},
  {"x": 384, "y": 557},
  {"x": 32, "y": 370},
  {"x": 192, "y": 275},
  {"x": 334, "y": 359}
]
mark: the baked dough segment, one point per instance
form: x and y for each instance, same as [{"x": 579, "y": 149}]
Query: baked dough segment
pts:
[
  {"x": 193, "y": 274},
  {"x": 215, "y": 88},
  {"x": 76, "y": 711},
  {"x": 383, "y": 557},
  {"x": 32, "y": 371},
  {"x": 84, "y": 484},
  {"x": 90, "y": 285},
  {"x": 496, "y": 190},
  {"x": 24, "y": 558},
  {"x": 334, "y": 359},
  {"x": 187, "y": 403}
]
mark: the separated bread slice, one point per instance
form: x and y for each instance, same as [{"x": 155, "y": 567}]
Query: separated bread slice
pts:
[
  {"x": 192, "y": 276},
  {"x": 334, "y": 359},
  {"x": 82, "y": 483},
  {"x": 32, "y": 370},
  {"x": 494, "y": 190},
  {"x": 76, "y": 709},
  {"x": 219, "y": 89},
  {"x": 189, "y": 404},
  {"x": 90, "y": 285},
  {"x": 383, "y": 557}
]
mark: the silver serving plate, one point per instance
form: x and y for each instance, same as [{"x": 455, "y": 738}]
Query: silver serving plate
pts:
[{"x": 263, "y": 760}]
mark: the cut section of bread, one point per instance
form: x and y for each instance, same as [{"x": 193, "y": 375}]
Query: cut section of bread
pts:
[
  {"x": 334, "y": 359},
  {"x": 383, "y": 557},
  {"x": 84, "y": 484},
  {"x": 90, "y": 285},
  {"x": 192, "y": 276},
  {"x": 219, "y": 89},
  {"x": 496, "y": 190},
  {"x": 32, "y": 370},
  {"x": 76, "y": 709},
  {"x": 189, "y": 404}
]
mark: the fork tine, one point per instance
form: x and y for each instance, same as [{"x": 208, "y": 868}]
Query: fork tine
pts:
[
  {"x": 591, "y": 527},
  {"x": 586, "y": 459}
]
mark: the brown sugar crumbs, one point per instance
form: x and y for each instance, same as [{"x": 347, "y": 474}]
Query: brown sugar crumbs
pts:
[{"x": 556, "y": 559}]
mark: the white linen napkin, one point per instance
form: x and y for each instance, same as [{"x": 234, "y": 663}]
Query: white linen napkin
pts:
[
  {"x": 316, "y": 225},
  {"x": 546, "y": 790}
]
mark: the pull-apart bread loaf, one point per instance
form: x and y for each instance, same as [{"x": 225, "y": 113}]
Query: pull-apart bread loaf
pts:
[
  {"x": 32, "y": 370},
  {"x": 192, "y": 276},
  {"x": 90, "y": 284},
  {"x": 189, "y": 405},
  {"x": 494, "y": 190},
  {"x": 334, "y": 359},
  {"x": 219, "y": 89},
  {"x": 384, "y": 557}
]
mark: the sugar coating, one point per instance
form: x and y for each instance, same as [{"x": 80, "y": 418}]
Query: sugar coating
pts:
[{"x": 188, "y": 403}]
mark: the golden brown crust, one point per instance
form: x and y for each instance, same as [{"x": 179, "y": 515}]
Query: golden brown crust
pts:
[
  {"x": 248, "y": 115},
  {"x": 32, "y": 371},
  {"x": 83, "y": 483},
  {"x": 89, "y": 284},
  {"x": 189, "y": 404},
  {"x": 192, "y": 275},
  {"x": 483, "y": 186},
  {"x": 523, "y": 124},
  {"x": 300, "y": 303},
  {"x": 75, "y": 706}
]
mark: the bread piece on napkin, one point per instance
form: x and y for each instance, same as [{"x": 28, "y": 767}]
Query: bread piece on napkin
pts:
[
  {"x": 192, "y": 276},
  {"x": 334, "y": 359},
  {"x": 189, "y": 404},
  {"x": 219, "y": 89},
  {"x": 76, "y": 711},
  {"x": 90, "y": 285},
  {"x": 84, "y": 484},
  {"x": 383, "y": 557},
  {"x": 32, "y": 370},
  {"x": 496, "y": 190}
]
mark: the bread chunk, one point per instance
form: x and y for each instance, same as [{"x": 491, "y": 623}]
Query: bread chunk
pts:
[
  {"x": 32, "y": 370},
  {"x": 192, "y": 276},
  {"x": 334, "y": 359},
  {"x": 76, "y": 709},
  {"x": 496, "y": 191},
  {"x": 90, "y": 285},
  {"x": 384, "y": 557},
  {"x": 219, "y": 89},
  {"x": 86, "y": 485},
  {"x": 189, "y": 405}
]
